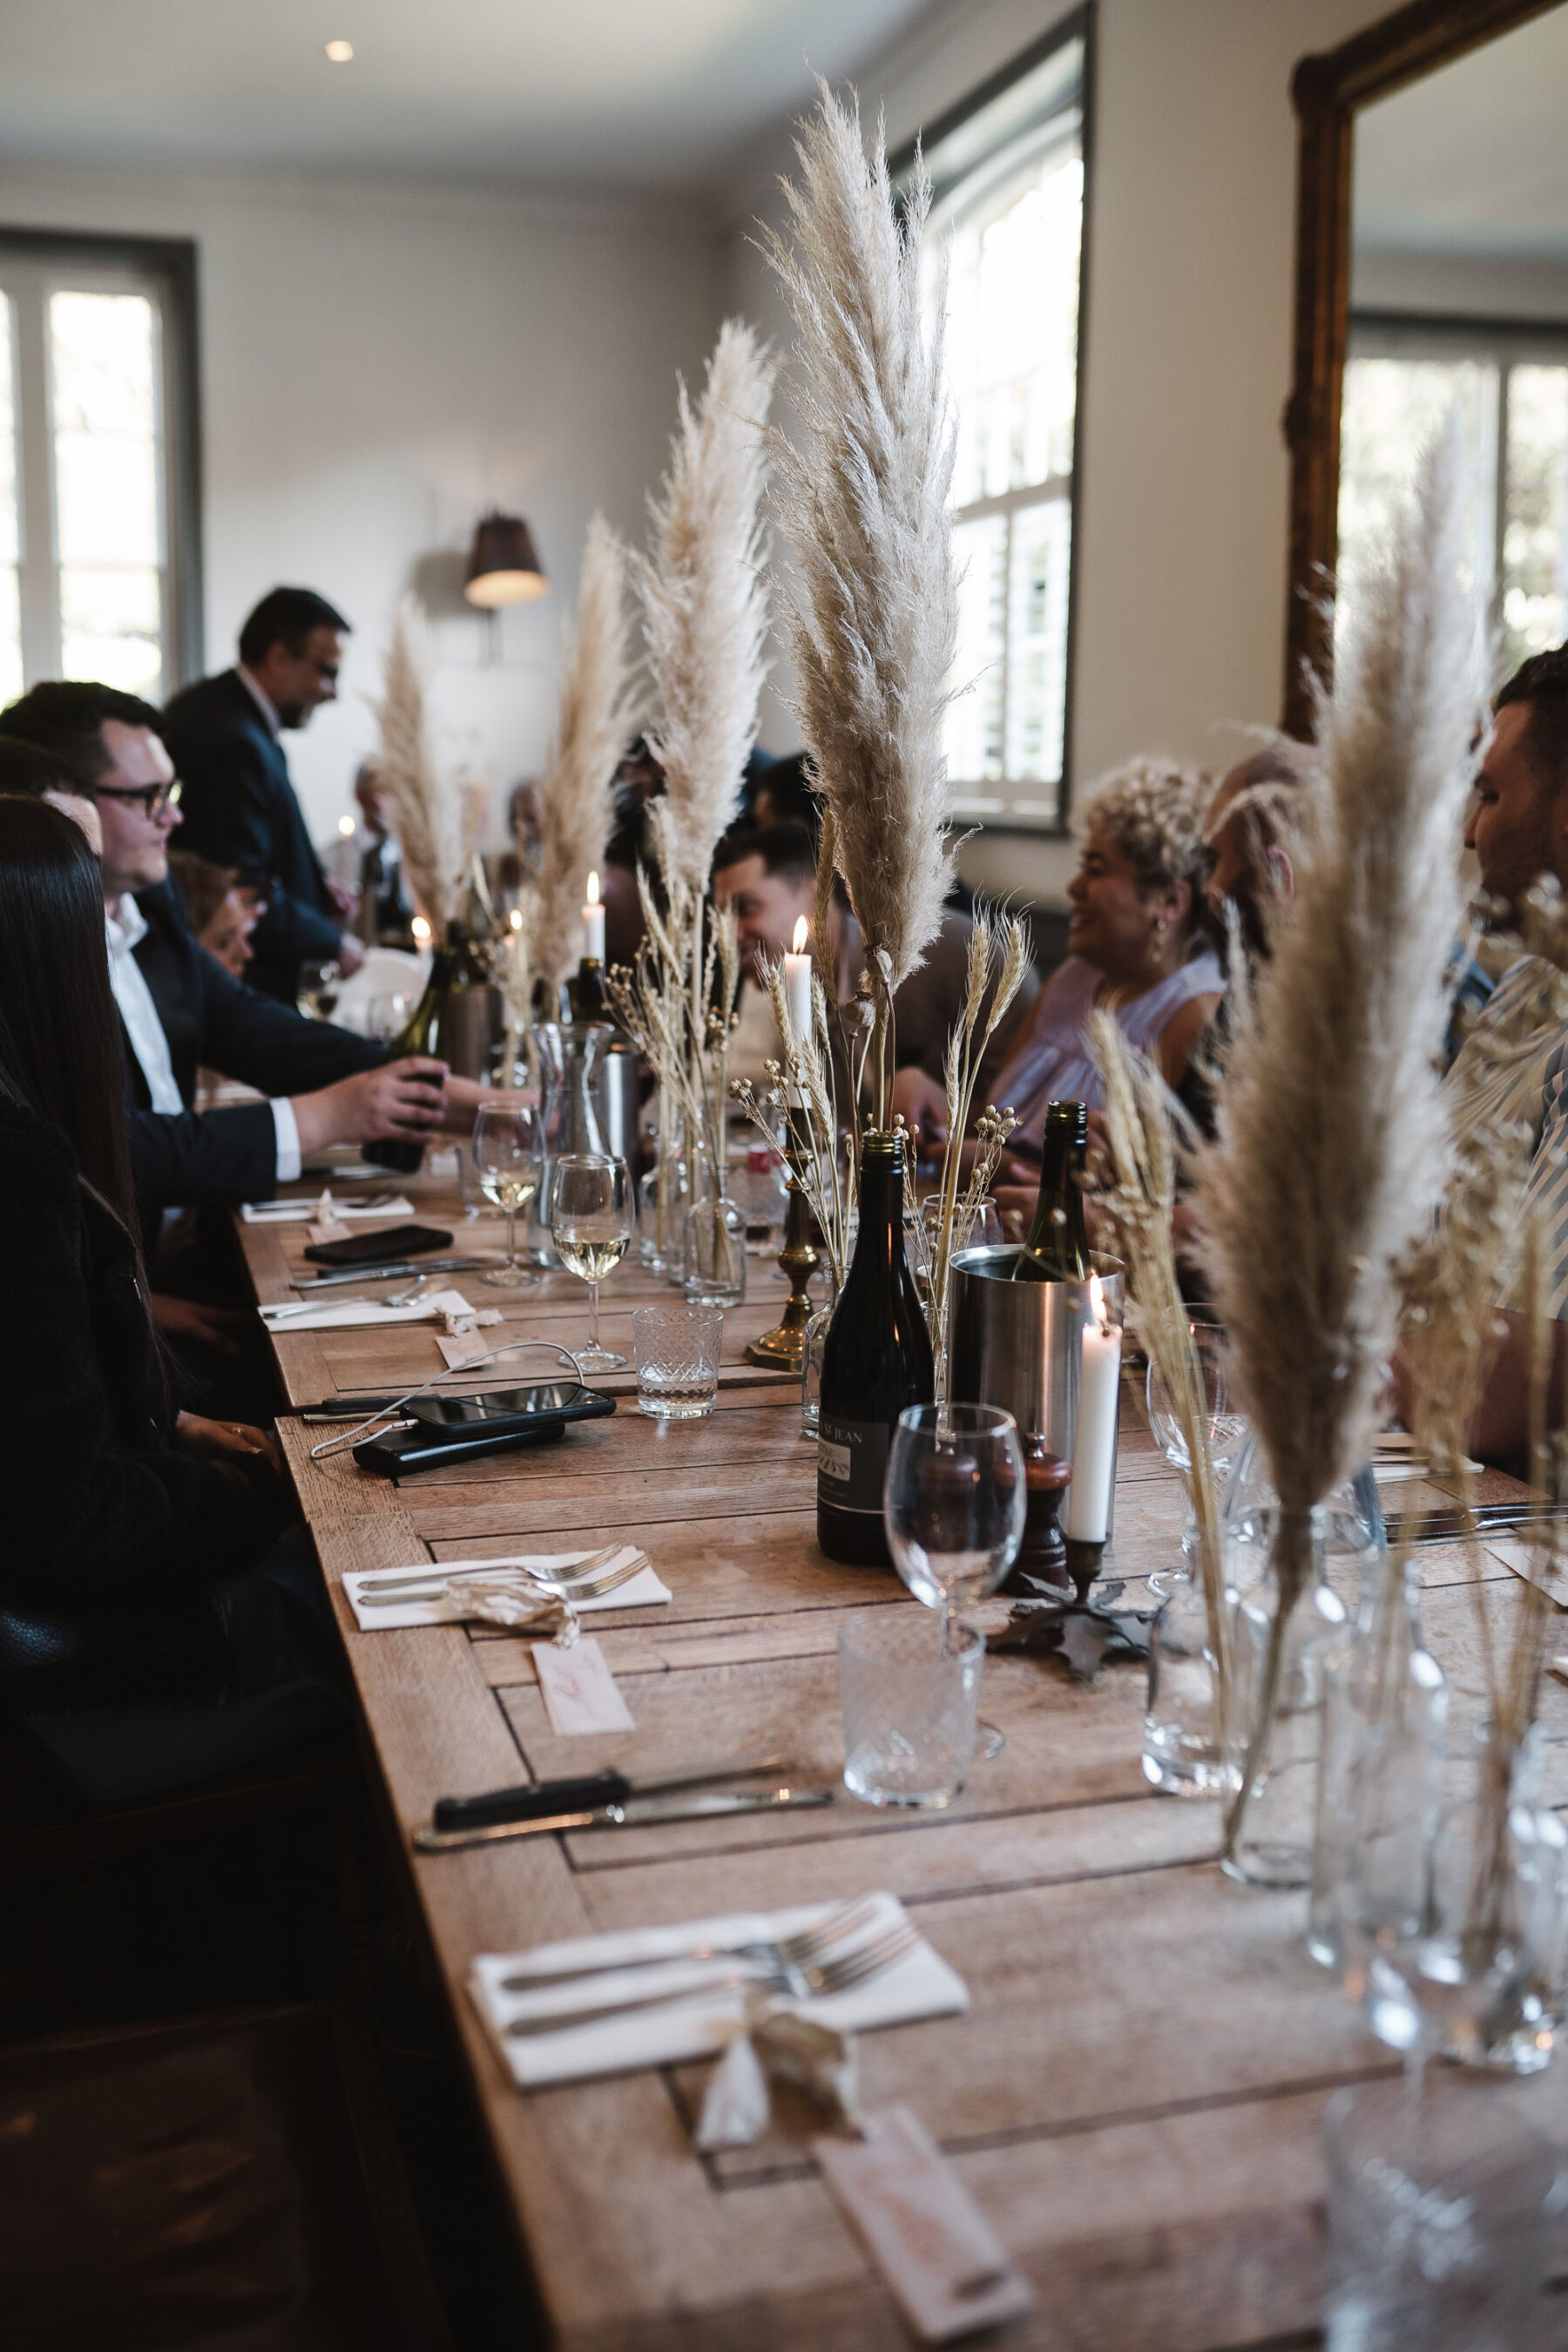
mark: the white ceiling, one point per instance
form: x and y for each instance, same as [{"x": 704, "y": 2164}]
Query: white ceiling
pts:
[
  {"x": 601, "y": 93},
  {"x": 1473, "y": 160}
]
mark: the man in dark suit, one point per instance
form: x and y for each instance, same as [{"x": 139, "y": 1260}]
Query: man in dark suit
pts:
[
  {"x": 180, "y": 1009},
  {"x": 239, "y": 808}
]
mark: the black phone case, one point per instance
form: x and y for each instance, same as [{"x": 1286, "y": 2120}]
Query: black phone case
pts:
[
  {"x": 397, "y": 1451},
  {"x": 387, "y": 1242}
]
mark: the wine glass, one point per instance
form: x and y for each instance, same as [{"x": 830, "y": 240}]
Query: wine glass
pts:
[
  {"x": 953, "y": 1498},
  {"x": 506, "y": 1161},
  {"x": 591, "y": 1221},
  {"x": 1225, "y": 1427},
  {"x": 317, "y": 992}
]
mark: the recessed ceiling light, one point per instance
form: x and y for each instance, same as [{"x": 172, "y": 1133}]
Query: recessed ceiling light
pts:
[{"x": 340, "y": 52}]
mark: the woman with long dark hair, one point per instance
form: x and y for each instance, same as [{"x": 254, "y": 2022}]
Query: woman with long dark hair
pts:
[{"x": 123, "y": 1520}]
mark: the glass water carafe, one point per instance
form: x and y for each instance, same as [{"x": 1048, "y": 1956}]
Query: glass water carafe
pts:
[{"x": 571, "y": 1057}]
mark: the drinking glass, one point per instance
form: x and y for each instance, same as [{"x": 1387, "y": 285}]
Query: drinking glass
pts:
[
  {"x": 317, "y": 992},
  {"x": 506, "y": 1161},
  {"x": 591, "y": 1221},
  {"x": 678, "y": 1361},
  {"x": 909, "y": 1698},
  {"x": 953, "y": 1497},
  {"x": 1226, "y": 1428}
]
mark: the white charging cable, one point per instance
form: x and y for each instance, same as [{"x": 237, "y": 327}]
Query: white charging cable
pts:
[{"x": 458, "y": 1371}]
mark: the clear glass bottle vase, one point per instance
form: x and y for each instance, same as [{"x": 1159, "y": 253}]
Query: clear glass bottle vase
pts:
[
  {"x": 1184, "y": 1750},
  {"x": 1380, "y": 1777},
  {"x": 714, "y": 1259},
  {"x": 572, "y": 1115},
  {"x": 814, "y": 1340},
  {"x": 662, "y": 1197},
  {"x": 1277, "y": 1708}
]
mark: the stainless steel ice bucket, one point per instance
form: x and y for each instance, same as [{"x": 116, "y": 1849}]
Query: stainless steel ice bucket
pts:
[
  {"x": 1017, "y": 1344},
  {"x": 470, "y": 1031}
]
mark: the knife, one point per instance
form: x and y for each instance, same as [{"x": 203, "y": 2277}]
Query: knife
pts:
[
  {"x": 537, "y": 1798},
  {"x": 643, "y": 1813},
  {"x": 386, "y": 1273}
]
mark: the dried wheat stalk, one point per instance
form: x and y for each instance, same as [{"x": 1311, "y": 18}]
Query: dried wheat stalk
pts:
[
  {"x": 863, "y": 502},
  {"x": 1331, "y": 1132},
  {"x": 597, "y": 720},
  {"x": 998, "y": 963},
  {"x": 426, "y": 811}
]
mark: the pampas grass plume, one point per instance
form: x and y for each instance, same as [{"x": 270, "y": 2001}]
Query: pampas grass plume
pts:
[
  {"x": 598, "y": 718},
  {"x": 427, "y": 818}
]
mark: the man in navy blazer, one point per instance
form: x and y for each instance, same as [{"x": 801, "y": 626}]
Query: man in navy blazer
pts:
[{"x": 239, "y": 807}]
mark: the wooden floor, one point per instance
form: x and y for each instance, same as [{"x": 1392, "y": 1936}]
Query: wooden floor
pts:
[{"x": 1134, "y": 2098}]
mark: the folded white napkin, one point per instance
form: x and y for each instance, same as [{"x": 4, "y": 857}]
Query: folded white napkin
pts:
[
  {"x": 284, "y": 1316},
  {"x": 644, "y": 1592},
  {"x": 304, "y": 1213},
  {"x": 920, "y": 1985},
  {"x": 1396, "y": 1473}
]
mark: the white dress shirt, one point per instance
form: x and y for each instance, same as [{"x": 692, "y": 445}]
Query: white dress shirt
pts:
[{"x": 125, "y": 930}]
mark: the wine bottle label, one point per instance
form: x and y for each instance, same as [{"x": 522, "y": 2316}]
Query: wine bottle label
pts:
[{"x": 851, "y": 1457}]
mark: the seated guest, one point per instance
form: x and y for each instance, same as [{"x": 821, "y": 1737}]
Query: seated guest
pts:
[
  {"x": 1138, "y": 945},
  {"x": 122, "y": 1518},
  {"x": 180, "y": 1011},
  {"x": 386, "y": 910},
  {"x": 770, "y": 878},
  {"x": 1513, "y": 1065},
  {"x": 225, "y": 735},
  {"x": 219, "y": 909}
]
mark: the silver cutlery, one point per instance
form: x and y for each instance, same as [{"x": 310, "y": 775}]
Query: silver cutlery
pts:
[
  {"x": 413, "y": 1291},
  {"x": 580, "y": 1589},
  {"x": 788, "y": 1954},
  {"x": 835, "y": 1974},
  {"x": 433, "y": 1576},
  {"x": 405, "y": 1297},
  {"x": 637, "y": 1812}
]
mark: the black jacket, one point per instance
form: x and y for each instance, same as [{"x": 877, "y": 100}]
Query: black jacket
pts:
[
  {"x": 112, "y": 1538},
  {"x": 213, "y": 1023},
  {"x": 238, "y": 809}
]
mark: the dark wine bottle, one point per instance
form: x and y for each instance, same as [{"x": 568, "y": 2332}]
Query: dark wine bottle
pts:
[
  {"x": 590, "y": 998},
  {"x": 420, "y": 1033},
  {"x": 876, "y": 1361},
  {"x": 1058, "y": 1246}
]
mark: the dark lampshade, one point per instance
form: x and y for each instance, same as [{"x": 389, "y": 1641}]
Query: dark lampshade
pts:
[{"x": 504, "y": 566}]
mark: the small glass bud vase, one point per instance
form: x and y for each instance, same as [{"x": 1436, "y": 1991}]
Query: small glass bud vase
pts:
[
  {"x": 814, "y": 1339},
  {"x": 1183, "y": 1748},
  {"x": 715, "y": 1263},
  {"x": 1276, "y": 1713},
  {"x": 1380, "y": 1779}
]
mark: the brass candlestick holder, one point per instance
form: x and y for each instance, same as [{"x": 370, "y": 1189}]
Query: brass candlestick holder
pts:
[{"x": 783, "y": 1349}]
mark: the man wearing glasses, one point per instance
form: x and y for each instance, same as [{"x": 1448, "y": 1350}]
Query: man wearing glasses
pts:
[{"x": 224, "y": 736}]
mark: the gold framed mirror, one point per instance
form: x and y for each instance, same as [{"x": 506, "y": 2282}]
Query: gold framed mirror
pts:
[{"x": 1328, "y": 93}]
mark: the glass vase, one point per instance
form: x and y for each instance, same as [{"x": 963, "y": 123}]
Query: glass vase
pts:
[
  {"x": 715, "y": 1252},
  {"x": 1380, "y": 1779},
  {"x": 571, "y": 1115},
  {"x": 1184, "y": 1750},
  {"x": 814, "y": 1339},
  {"x": 661, "y": 1195},
  {"x": 1272, "y": 1741}
]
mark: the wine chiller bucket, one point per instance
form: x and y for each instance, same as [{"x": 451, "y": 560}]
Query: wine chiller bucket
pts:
[{"x": 1019, "y": 1344}]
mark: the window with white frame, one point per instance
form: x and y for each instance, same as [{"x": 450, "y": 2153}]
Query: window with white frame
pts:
[
  {"x": 1510, "y": 387},
  {"x": 1007, "y": 218},
  {"x": 97, "y": 517}
]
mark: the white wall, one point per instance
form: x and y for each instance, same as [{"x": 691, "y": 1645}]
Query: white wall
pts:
[
  {"x": 1459, "y": 285},
  {"x": 1182, "y": 516},
  {"x": 378, "y": 362}
]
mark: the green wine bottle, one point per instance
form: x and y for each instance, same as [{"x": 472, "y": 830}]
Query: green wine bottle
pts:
[
  {"x": 1058, "y": 1246},
  {"x": 420, "y": 1033},
  {"x": 876, "y": 1361}
]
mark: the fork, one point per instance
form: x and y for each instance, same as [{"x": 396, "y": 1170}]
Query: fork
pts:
[
  {"x": 788, "y": 1953},
  {"x": 573, "y": 1575},
  {"x": 835, "y": 1974},
  {"x": 581, "y": 1589}
]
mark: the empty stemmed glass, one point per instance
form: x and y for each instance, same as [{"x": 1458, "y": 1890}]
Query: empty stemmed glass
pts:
[
  {"x": 591, "y": 1217},
  {"x": 506, "y": 1161},
  {"x": 953, "y": 1497},
  {"x": 1226, "y": 1428}
]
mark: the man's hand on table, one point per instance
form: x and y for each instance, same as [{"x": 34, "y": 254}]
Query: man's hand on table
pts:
[
  {"x": 400, "y": 1099},
  {"x": 213, "y": 1440}
]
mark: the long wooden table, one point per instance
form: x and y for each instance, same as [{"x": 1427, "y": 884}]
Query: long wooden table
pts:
[{"x": 1135, "y": 2095}]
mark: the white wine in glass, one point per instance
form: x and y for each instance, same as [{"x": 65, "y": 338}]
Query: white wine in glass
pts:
[
  {"x": 505, "y": 1163},
  {"x": 591, "y": 1221}
]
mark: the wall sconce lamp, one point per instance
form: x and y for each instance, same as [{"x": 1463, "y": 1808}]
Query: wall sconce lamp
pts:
[{"x": 503, "y": 565}]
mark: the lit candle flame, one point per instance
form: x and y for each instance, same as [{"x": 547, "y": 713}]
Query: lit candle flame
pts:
[
  {"x": 515, "y": 919},
  {"x": 421, "y": 931},
  {"x": 800, "y": 936},
  {"x": 1097, "y": 1302},
  {"x": 346, "y": 828},
  {"x": 592, "y": 889}
]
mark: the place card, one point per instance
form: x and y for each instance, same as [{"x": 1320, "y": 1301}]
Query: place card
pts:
[
  {"x": 581, "y": 1694},
  {"x": 332, "y": 1229},
  {"x": 948, "y": 2270},
  {"x": 467, "y": 1348}
]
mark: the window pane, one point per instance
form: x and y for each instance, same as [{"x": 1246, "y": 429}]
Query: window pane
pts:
[
  {"x": 10, "y": 524},
  {"x": 103, "y": 389},
  {"x": 1037, "y": 641},
  {"x": 975, "y": 723},
  {"x": 110, "y": 626},
  {"x": 1535, "y": 524},
  {"x": 1391, "y": 409},
  {"x": 1012, "y": 322}
]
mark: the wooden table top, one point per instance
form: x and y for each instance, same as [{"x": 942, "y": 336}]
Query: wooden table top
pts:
[{"x": 1135, "y": 2095}]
